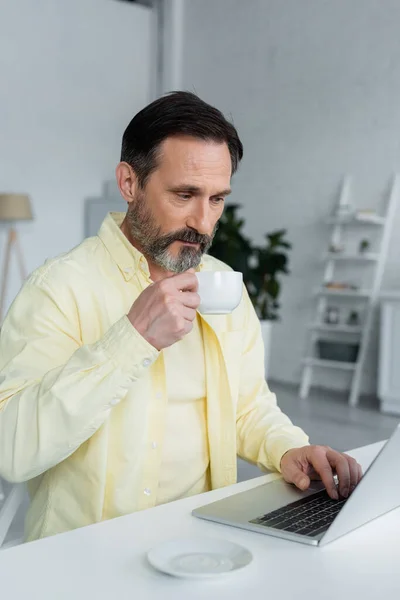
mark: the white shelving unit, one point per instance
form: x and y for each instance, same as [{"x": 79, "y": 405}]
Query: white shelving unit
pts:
[{"x": 368, "y": 297}]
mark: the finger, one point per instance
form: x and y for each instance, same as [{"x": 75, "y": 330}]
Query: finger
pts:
[
  {"x": 189, "y": 314},
  {"x": 190, "y": 299},
  {"x": 360, "y": 473},
  {"x": 340, "y": 462},
  {"x": 300, "y": 479},
  {"x": 317, "y": 457},
  {"x": 187, "y": 328},
  {"x": 185, "y": 282},
  {"x": 292, "y": 472},
  {"x": 354, "y": 476}
]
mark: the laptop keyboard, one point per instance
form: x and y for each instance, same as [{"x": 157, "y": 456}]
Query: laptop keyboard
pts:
[{"x": 309, "y": 516}]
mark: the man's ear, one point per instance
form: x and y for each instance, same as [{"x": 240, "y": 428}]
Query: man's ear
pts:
[{"x": 127, "y": 181}]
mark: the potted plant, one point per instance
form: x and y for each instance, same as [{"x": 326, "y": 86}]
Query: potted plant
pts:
[
  {"x": 260, "y": 265},
  {"x": 364, "y": 246}
]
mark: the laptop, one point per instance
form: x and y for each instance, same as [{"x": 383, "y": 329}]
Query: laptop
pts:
[{"x": 312, "y": 517}]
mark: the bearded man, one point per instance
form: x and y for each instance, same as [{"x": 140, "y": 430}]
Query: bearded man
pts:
[{"x": 116, "y": 394}]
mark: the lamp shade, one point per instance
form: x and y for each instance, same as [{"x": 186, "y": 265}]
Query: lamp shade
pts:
[{"x": 15, "y": 207}]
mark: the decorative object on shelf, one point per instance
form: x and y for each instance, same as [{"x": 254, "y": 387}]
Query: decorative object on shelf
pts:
[
  {"x": 332, "y": 315},
  {"x": 354, "y": 318},
  {"x": 364, "y": 246},
  {"x": 339, "y": 285},
  {"x": 13, "y": 208},
  {"x": 261, "y": 266}
]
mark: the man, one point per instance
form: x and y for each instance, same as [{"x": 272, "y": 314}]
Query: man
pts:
[{"x": 115, "y": 393}]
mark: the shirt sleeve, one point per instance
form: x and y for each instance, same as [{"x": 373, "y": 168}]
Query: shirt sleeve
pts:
[
  {"x": 264, "y": 432},
  {"x": 56, "y": 392}
]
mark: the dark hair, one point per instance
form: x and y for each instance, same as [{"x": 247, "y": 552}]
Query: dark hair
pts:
[{"x": 174, "y": 114}]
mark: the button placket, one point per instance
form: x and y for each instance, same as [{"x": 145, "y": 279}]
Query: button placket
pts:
[
  {"x": 160, "y": 405},
  {"x": 154, "y": 435}
]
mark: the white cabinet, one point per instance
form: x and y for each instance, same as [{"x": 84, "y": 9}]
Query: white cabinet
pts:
[{"x": 389, "y": 354}]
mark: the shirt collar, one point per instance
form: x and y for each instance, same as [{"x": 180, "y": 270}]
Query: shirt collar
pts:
[{"x": 128, "y": 258}]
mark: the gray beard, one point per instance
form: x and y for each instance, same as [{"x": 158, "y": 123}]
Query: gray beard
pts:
[
  {"x": 155, "y": 246},
  {"x": 188, "y": 258}
]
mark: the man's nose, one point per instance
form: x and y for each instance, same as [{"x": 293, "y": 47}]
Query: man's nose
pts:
[{"x": 200, "y": 219}]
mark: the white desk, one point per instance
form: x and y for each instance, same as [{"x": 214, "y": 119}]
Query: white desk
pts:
[{"x": 107, "y": 561}]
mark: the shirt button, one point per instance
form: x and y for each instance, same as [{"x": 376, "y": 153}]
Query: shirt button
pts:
[
  {"x": 159, "y": 395},
  {"x": 154, "y": 445},
  {"x": 146, "y": 362},
  {"x": 147, "y": 491},
  {"x": 114, "y": 402}
]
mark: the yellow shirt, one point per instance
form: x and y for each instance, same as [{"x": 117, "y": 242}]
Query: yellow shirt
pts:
[
  {"x": 185, "y": 456},
  {"x": 83, "y": 395}
]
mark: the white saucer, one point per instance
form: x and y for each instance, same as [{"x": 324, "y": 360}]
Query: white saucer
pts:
[{"x": 199, "y": 557}]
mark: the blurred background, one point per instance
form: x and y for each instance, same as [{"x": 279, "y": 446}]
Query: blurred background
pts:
[{"x": 312, "y": 87}]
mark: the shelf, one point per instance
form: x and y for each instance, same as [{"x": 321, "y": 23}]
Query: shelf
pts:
[
  {"x": 335, "y": 328},
  {"x": 357, "y": 220},
  {"x": 367, "y": 257},
  {"x": 329, "y": 364},
  {"x": 342, "y": 292},
  {"x": 372, "y": 220}
]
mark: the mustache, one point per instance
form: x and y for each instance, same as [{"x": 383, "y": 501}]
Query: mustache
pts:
[{"x": 186, "y": 235}]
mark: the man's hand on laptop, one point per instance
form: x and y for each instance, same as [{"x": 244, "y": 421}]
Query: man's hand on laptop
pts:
[{"x": 301, "y": 465}]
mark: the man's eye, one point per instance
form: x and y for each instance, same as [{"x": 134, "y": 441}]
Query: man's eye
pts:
[
  {"x": 184, "y": 196},
  {"x": 218, "y": 200}
]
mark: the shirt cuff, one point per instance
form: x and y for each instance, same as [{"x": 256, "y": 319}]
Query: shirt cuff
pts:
[
  {"x": 128, "y": 350},
  {"x": 281, "y": 446}
]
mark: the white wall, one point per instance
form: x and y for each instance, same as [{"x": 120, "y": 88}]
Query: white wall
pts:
[
  {"x": 313, "y": 87},
  {"x": 73, "y": 73}
]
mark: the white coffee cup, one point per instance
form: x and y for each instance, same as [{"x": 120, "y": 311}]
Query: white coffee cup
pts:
[{"x": 220, "y": 291}]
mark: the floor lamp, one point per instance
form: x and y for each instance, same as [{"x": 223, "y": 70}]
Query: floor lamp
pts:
[{"x": 13, "y": 208}]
